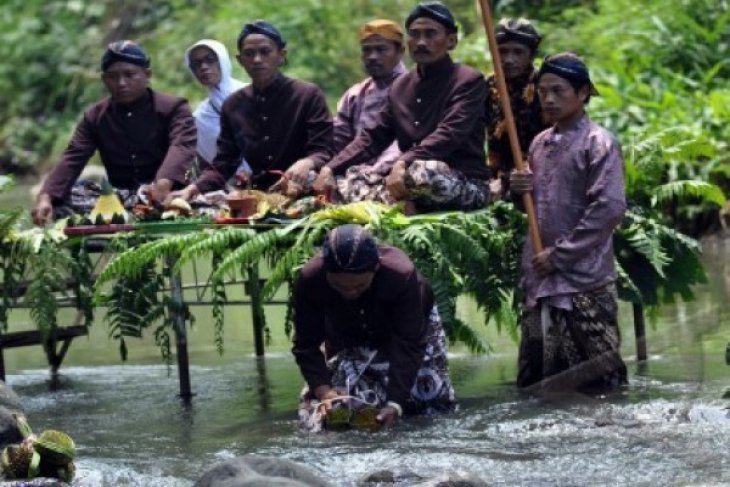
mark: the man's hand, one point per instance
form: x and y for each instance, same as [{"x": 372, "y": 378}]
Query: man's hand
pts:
[
  {"x": 157, "y": 192},
  {"x": 325, "y": 394},
  {"x": 42, "y": 210},
  {"x": 387, "y": 416},
  {"x": 325, "y": 182},
  {"x": 395, "y": 182},
  {"x": 496, "y": 189},
  {"x": 187, "y": 193},
  {"x": 299, "y": 171},
  {"x": 541, "y": 262},
  {"x": 520, "y": 181}
]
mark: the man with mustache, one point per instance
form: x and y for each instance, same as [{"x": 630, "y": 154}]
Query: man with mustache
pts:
[
  {"x": 145, "y": 139},
  {"x": 381, "y": 53},
  {"x": 278, "y": 124},
  {"x": 436, "y": 114},
  {"x": 570, "y": 335},
  {"x": 517, "y": 41}
]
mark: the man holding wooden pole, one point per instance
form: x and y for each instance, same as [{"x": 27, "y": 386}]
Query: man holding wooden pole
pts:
[{"x": 570, "y": 335}]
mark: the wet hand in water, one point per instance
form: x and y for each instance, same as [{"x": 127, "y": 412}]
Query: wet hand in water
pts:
[{"x": 387, "y": 416}]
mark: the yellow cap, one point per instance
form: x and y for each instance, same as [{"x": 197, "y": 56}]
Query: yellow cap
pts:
[{"x": 387, "y": 29}]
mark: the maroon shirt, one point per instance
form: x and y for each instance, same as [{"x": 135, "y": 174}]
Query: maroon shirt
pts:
[
  {"x": 149, "y": 139},
  {"x": 435, "y": 112},
  {"x": 579, "y": 200},
  {"x": 271, "y": 129},
  {"x": 390, "y": 316}
]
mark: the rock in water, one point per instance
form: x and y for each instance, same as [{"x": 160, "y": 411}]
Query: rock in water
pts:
[{"x": 255, "y": 471}]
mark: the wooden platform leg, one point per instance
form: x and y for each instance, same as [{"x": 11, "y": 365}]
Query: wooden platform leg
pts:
[
  {"x": 257, "y": 309},
  {"x": 181, "y": 336}
]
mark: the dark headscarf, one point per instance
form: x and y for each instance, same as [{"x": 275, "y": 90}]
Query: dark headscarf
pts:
[
  {"x": 435, "y": 11},
  {"x": 350, "y": 248},
  {"x": 264, "y": 28},
  {"x": 568, "y": 66},
  {"x": 518, "y": 30},
  {"x": 126, "y": 52}
]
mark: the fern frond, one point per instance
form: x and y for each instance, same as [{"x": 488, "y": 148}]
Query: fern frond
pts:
[{"x": 707, "y": 192}]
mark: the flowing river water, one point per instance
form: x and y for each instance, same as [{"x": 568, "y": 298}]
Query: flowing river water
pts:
[{"x": 670, "y": 427}]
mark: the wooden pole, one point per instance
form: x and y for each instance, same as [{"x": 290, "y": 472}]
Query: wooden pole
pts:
[{"x": 509, "y": 121}]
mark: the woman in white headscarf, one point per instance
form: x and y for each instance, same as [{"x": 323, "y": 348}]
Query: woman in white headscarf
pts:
[{"x": 209, "y": 62}]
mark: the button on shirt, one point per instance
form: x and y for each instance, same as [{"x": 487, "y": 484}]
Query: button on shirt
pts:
[
  {"x": 272, "y": 130},
  {"x": 579, "y": 200},
  {"x": 151, "y": 138},
  {"x": 447, "y": 124}
]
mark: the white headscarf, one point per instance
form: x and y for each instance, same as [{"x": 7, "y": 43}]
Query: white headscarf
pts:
[{"x": 207, "y": 115}]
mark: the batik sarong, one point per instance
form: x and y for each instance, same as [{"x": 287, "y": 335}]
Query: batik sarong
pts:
[
  {"x": 433, "y": 186},
  {"x": 83, "y": 197},
  {"x": 572, "y": 349},
  {"x": 361, "y": 374}
]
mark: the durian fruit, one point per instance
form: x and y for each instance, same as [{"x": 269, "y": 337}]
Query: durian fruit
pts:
[
  {"x": 366, "y": 419},
  {"x": 108, "y": 207},
  {"x": 338, "y": 419},
  {"x": 55, "y": 447},
  {"x": 19, "y": 461}
]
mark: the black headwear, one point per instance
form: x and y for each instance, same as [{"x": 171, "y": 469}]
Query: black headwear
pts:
[
  {"x": 518, "y": 30},
  {"x": 264, "y": 28},
  {"x": 350, "y": 248},
  {"x": 569, "y": 66},
  {"x": 126, "y": 52},
  {"x": 436, "y": 11}
]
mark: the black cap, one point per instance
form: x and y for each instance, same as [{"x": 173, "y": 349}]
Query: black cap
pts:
[
  {"x": 518, "y": 30},
  {"x": 264, "y": 28},
  {"x": 350, "y": 248},
  {"x": 436, "y": 11},
  {"x": 569, "y": 66},
  {"x": 126, "y": 52}
]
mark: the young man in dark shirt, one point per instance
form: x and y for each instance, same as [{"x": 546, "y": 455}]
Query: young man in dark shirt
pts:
[
  {"x": 145, "y": 139},
  {"x": 279, "y": 125},
  {"x": 375, "y": 314}
]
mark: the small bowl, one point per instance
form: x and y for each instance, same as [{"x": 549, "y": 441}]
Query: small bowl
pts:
[{"x": 242, "y": 206}]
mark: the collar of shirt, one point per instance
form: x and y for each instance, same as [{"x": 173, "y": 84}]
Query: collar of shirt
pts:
[
  {"x": 444, "y": 65},
  {"x": 566, "y": 137},
  {"x": 141, "y": 102},
  {"x": 397, "y": 71},
  {"x": 272, "y": 88}
]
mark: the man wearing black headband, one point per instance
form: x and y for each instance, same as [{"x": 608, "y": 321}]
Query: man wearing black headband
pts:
[
  {"x": 278, "y": 124},
  {"x": 145, "y": 139},
  {"x": 517, "y": 41},
  {"x": 570, "y": 335},
  {"x": 436, "y": 114},
  {"x": 375, "y": 314}
]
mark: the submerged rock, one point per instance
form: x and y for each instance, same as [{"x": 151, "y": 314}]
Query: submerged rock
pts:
[
  {"x": 260, "y": 471},
  {"x": 9, "y": 399},
  {"x": 39, "y": 482},
  {"x": 11, "y": 431}
]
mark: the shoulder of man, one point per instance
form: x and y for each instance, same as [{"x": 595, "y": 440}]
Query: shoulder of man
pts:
[
  {"x": 166, "y": 103},
  {"x": 601, "y": 138},
  {"x": 393, "y": 259}
]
